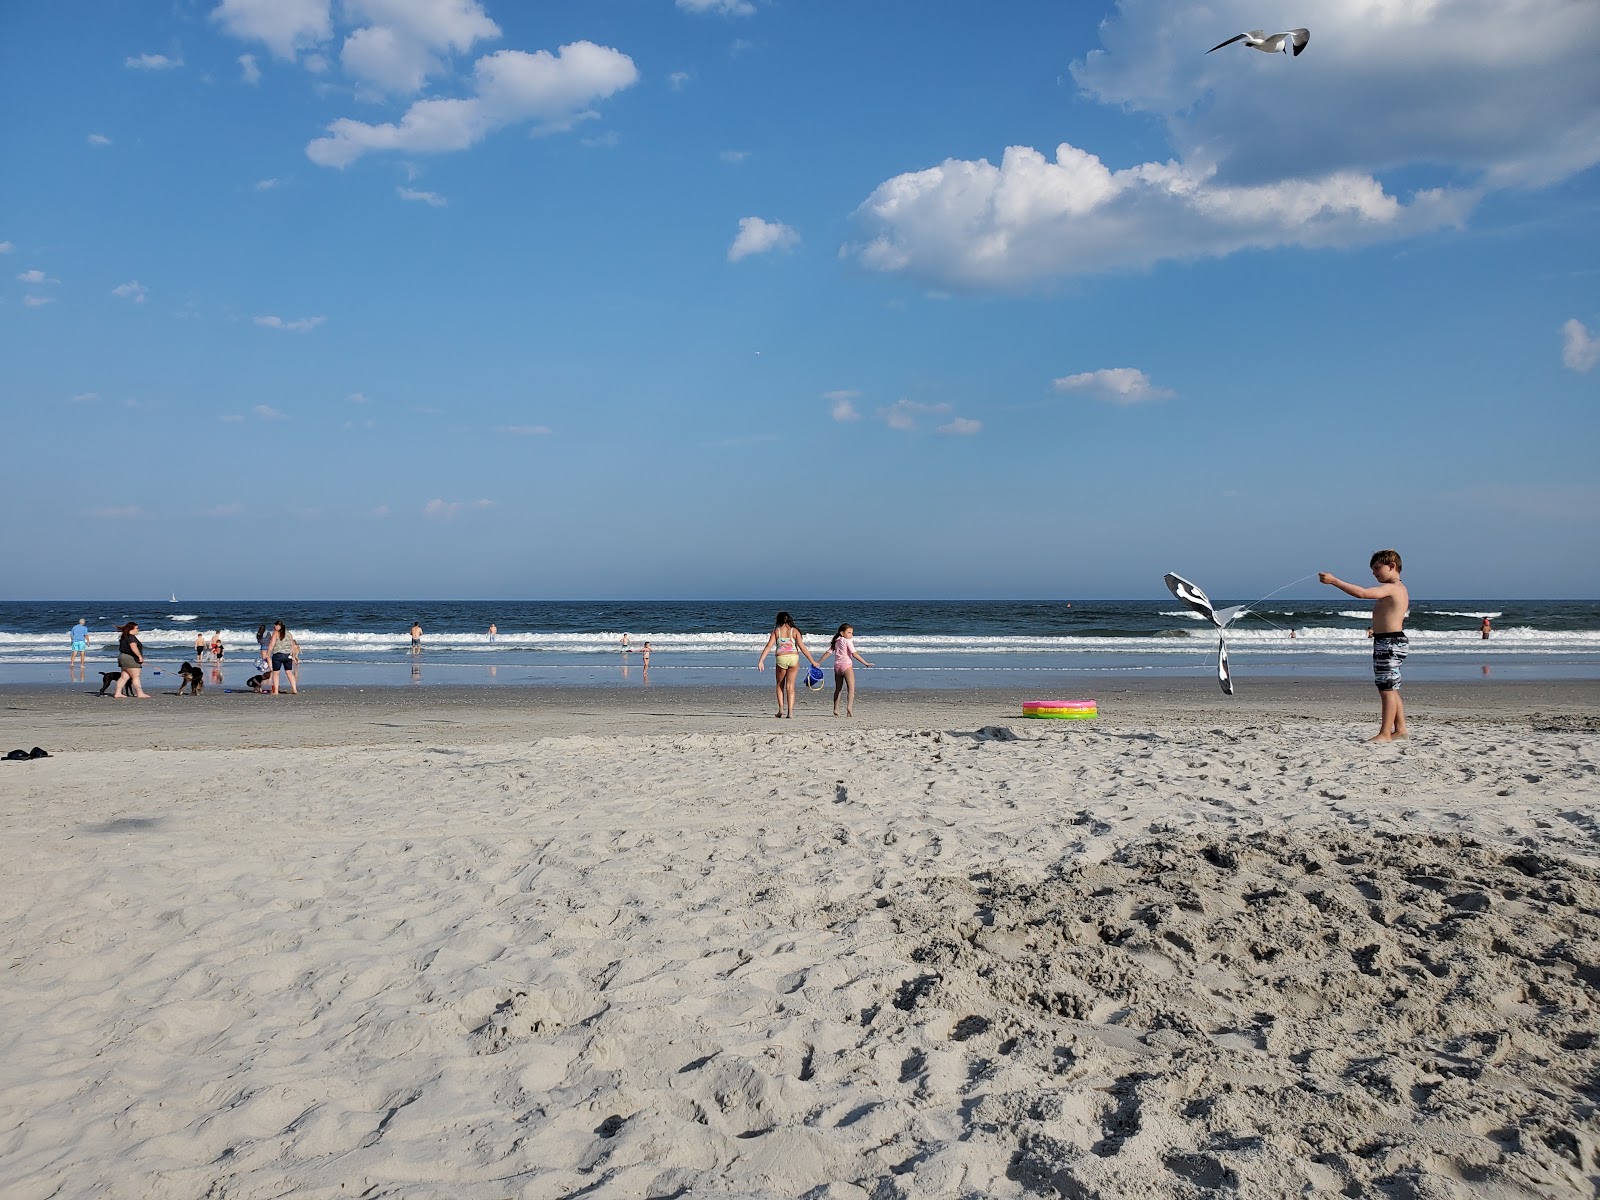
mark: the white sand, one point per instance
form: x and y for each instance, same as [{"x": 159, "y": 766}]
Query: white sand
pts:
[{"x": 1152, "y": 958}]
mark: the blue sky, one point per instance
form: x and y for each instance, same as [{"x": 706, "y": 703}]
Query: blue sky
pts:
[{"x": 396, "y": 298}]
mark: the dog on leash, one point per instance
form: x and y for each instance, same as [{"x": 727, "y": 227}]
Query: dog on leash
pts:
[
  {"x": 190, "y": 676},
  {"x": 108, "y": 680}
]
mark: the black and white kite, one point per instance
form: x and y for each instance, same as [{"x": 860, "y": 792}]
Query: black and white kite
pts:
[
  {"x": 1196, "y": 599},
  {"x": 1294, "y": 40}
]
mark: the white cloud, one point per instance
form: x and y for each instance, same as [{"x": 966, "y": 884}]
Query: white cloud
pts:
[
  {"x": 299, "y": 325},
  {"x": 381, "y": 510},
  {"x": 6, "y": 247},
  {"x": 37, "y": 301},
  {"x": 266, "y": 185},
  {"x": 406, "y": 40},
  {"x": 678, "y": 79},
  {"x": 1580, "y": 349},
  {"x": 841, "y": 404},
  {"x": 98, "y": 139},
  {"x": 975, "y": 225},
  {"x": 526, "y": 430},
  {"x": 961, "y": 427},
  {"x": 249, "y": 72},
  {"x": 1508, "y": 90},
  {"x": 1118, "y": 385},
  {"x": 285, "y": 26},
  {"x": 431, "y": 199},
  {"x": 903, "y": 414},
  {"x": 760, "y": 237},
  {"x": 357, "y": 398},
  {"x": 267, "y": 413},
  {"x": 731, "y": 8},
  {"x": 449, "y": 510},
  {"x": 152, "y": 62},
  {"x": 132, "y": 290},
  {"x": 36, "y": 276},
  {"x": 510, "y": 87},
  {"x": 1269, "y": 151}
]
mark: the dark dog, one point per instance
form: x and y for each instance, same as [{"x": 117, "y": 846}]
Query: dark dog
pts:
[
  {"x": 255, "y": 681},
  {"x": 191, "y": 677},
  {"x": 108, "y": 680}
]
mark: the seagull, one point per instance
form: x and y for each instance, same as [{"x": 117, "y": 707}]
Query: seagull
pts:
[{"x": 1275, "y": 43}]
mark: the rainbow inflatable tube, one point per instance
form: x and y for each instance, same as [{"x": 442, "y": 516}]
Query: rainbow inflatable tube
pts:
[{"x": 1061, "y": 710}]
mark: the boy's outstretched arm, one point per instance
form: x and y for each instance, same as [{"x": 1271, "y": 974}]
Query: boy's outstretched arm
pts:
[{"x": 1352, "y": 589}]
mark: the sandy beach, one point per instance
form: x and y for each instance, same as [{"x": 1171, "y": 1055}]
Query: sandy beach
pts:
[{"x": 566, "y": 942}]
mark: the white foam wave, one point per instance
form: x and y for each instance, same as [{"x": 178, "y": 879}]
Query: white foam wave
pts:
[
  {"x": 1476, "y": 616},
  {"x": 185, "y": 617}
]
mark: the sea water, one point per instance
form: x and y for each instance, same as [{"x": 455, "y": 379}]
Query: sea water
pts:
[{"x": 913, "y": 643}]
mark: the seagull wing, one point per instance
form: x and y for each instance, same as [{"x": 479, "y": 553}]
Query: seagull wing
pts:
[
  {"x": 1301, "y": 38},
  {"x": 1236, "y": 38}
]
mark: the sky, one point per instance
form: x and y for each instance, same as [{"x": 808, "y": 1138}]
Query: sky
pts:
[{"x": 783, "y": 299}]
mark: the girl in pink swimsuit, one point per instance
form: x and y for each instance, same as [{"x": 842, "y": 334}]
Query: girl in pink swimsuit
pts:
[{"x": 845, "y": 657}]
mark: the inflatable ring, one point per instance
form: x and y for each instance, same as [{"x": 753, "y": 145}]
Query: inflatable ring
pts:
[
  {"x": 1042, "y": 715},
  {"x": 1027, "y": 704}
]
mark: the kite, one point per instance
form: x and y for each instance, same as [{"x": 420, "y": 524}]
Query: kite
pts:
[
  {"x": 1196, "y": 599},
  {"x": 1270, "y": 43}
]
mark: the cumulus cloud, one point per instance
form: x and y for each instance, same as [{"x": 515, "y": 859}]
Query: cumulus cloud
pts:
[
  {"x": 1580, "y": 349},
  {"x": 842, "y": 404},
  {"x": 36, "y": 276},
  {"x": 6, "y": 247},
  {"x": 1116, "y": 385},
  {"x": 903, "y": 413},
  {"x": 960, "y": 427},
  {"x": 509, "y": 87},
  {"x": 1268, "y": 151},
  {"x": 249, "y": 72},
  {"x": 37, "y": 301},
  {"x": 98, "y": 139},
  {"x": 761, "y": 237},
  {"x": 285, "y": 26},
  {"x": 152, "y": 62},
  {"x": 266, "y": 185},
  {"x": 449, "y": 510},
  {"x": 132, "y": 290},
  {"x": 357, "y": 398},
  {"x": 678, "y": 79},
  {"x": 976, "y": 225},
  {"x": 728, "y": 8},
  {"x": 266, "y": 412},
  {"x": 525, "y": 430},
  {"x": 406, "y": 41},
  {"x": 431, "y": 199},
  {"x": 299, "y": 325}
]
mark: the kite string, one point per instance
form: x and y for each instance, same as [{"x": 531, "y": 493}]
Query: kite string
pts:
[{"x": 1271, "y": 594}]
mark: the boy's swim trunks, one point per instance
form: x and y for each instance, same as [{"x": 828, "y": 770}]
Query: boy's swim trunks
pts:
[{"x": 1388, "y": 652}]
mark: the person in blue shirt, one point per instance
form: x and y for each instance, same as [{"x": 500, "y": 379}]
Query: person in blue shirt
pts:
[{"x": 78, "y": 665}]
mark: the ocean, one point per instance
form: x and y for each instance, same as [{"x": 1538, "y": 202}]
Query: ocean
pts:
[{"x": 915, "y": 643}]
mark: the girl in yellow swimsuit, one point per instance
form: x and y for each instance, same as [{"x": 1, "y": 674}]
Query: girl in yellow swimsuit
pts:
[{"x": 790, "y": 644}]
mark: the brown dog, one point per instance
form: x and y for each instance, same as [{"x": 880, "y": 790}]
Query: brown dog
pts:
[{"x": 190, "y": 676}]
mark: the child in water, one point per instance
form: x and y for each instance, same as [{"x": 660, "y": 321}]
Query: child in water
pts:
[{"x": 845, "y": 657}]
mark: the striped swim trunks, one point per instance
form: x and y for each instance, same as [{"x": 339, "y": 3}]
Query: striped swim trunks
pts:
[{"x": 1388, "y": 652}]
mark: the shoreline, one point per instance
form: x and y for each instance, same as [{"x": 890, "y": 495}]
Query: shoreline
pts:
[{"x": 74, "y": 719}]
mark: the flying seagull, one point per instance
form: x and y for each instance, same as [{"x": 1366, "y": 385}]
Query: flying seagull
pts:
[{"x": 1274, "y": 43}]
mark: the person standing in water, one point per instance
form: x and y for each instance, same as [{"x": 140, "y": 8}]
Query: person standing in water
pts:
[
  {"x": 789, "y": 644},
  {"x": 1485, "y": 629},
  {"x": 78, "y": 664}
]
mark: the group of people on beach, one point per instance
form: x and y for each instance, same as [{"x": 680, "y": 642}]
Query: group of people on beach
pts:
[{"x": 787, "y": 644}]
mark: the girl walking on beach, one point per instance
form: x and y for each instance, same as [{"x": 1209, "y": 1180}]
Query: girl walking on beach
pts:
[
  {"x": 130, "y": 657},
  {"x": 286, "y": 658},
  {"x": 790, "y": 644},
  {"x": 845, "y": 657}
]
